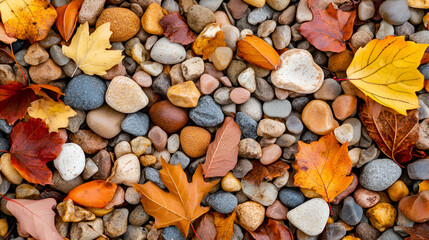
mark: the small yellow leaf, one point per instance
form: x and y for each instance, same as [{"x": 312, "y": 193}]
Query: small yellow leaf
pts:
[
  {"x": 208, "y": 40},
  {"x": 386, "y": 71},
  {"x": 55, "y": 114},
  {"x": 89, "y": 51}
]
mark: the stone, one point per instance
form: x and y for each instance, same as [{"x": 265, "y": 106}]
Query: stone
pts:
[
  {"x": 64, "y": 186},
  {"x": 50, "y": 40},
  {"x": 194, "y": 141},
  {"x": 135, "y": 232},
  {"x": 390, "y": 234},
  {"x": 117, "y": 70},
  {"x": 158, "y": 137},
  {"x": 344, "y": 106},
  {"x": 126, "y": 96},
  {"x": 230, "y": 183},
  {"x": 329, "y": 90},
  {"x": 126, "y": 170},
  {"x": 247, "y": 79},
  {"x": 294, "y": 124},
  {"x": 317, "y": 117},
  {"x": 418, "y": 170},
  {"x": 366, "y": 198},
  {"x": 366, "y": 10},
  {"x": 310, "y": 217},
  {"x": 90, "y": 10},
  {"x": 71, "y": 213},
  {"x": 222, "y": 202},
  {"x": 277, "y": 211},
  {"x": 136, "y": 124},
  {"x": 124, "y": 23},
  {"x": 172, "y": 232},
  {"x": 334, "y": 231},
  {"x": 250, "y": 215},
  {"x": 397, "y": 191},
  {"x": 173, "y": 143},
  {"x": 57, "y": 55},
  {"x": 266, "y": 193},
  {"x": 291, "y": 197},
  {"x": 138, "y": 216},
  {"x": 105, "y": 121},
  {"x": 90, "y": 169},
  {"x": 104, "y": 164},
  {"x": 184, "y": 95},
  {"x": 85, "y": 92},
  {"x": 86, "y": 230},
  {"x": 247, "y": 125},
  {"x": 281, "y": 36},
  {"x": 249, "y": 148},
  {"x": 344, "y": 133},
  {"x": 153, "y": 68},
  {"x": 207, "y": 113},
  {"x": 237, "y": 8},
  {"x": 208, "y": 84},
  {"x": 151, "y": 174},
  {"x": 365, "y": 231},
  {"x": 151, "y": 17},
  {"x": 192, "y": 68},
  {"x": 379, "y": 174},
  {"x": 395, "y": 12},
  {"x": 270, "y": 154},
  {"x": 180, "y": 157},
  {"x": 176, "y": 53},
  {"x": 385, "y": 30},
  {"x": 222, "y": 95},
  {"x": 339, "y": 62},
  {"x": 287, "y": 16},
  {"x": 115, "y": 223},
  {"x": 303, "y": 12},
  {"x": 6, "y": 74},
  {"x": 167, "y": 116},
  {"x": 70, "y": 163},
  {"x": 420, "y": 37},
  {"x": 270, "y": 128},
  {"x": 140, "y": 144},
  {"x": 260, "y": 14},
  {"x": 242, "y": 167},
  {"x": 45, "y": 72},
  {"x": 277, "y": 108},
  {"x": 297, "y": 72},
  {"x": 286, "y": 140},
  {"x": 198, "y": 17},
  {"x": 382, "y": 216},
  {"x": 405, "y": 29},
  {"x": 142, "y": 78},
  {"x": 222, "y": 56},
  {"x": 36, "y": 55},
  {"x": 423, "y": 142},
  {"x": 26, "y": 191},
  {"x": 351, "y": 213},
  {"x": 357, "y": 130}
]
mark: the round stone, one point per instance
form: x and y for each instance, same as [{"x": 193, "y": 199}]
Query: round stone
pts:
[
  {"x": 125, "y": 95},
  {"x": 379, "y": 174},
  {"x": 207, "y": 113},
  {"x": 194, "y": 141},
  {"x": 136, "y": 124},
  {"x": 277, "y": 108},
  {"x": 175, "y": 54},
  {"x": 124, "y": 23},
  {"x": 250, "y": 215},
  {"x": 239, "y": 95},
  {"x": 222, "y": 202},
  {"x": 85, "y": 92},
  {"x": 168, "y": 117},
  {"x": 105, "y": 121},
  {"x": 310, "y": 217},
  {"x": 317, "y": 117},
  {"x": 71, "y": 161},
  {"x": 291, "y": 197}
]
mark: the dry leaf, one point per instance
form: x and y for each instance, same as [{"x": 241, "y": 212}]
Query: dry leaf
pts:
[
  {"x": 258, "y": 52},
  {"x": 181, "y": 205},
  {"x": 272, "y": 229},
  {"x": 395, "y": 134},
  {"x": 6, "y": 55},
  {"x": 260, "y": 172},
  {"x": 4, "y": 37},
  {"x": 89, "y": 51},
  {"x": 27, "y": 19},
  {"x": 224, "y": 225},
  {"x": 55, "y": 114},
  {"x": 35, "y": 217},
  {"x": 416, "y": 207},
  {"x": 420, "y": 231},
  {"x": 96, "y": 194},
  {"x": 386, "y": 71},
  {"x": 176, "y": 29},
  {"x": 67, "y": 18},
  {"x": 223, "y": 151},
  {"x": 208, "y": 40},
  {"x": 323, "y": 166},
  {"x": 330, "y": 29}
]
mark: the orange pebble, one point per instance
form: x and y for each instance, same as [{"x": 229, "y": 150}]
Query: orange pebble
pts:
[{"x": 397, "y": 191}]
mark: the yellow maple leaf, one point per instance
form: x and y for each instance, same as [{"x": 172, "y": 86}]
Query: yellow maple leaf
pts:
[
  {"x": 27, "y": 19},
  {"x": 55, "y": 114},
  {"x": 386, "y": 71},
  {"x": 89, "y": 51}
]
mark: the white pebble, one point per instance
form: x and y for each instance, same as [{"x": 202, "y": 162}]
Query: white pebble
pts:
[{"x": 71, "y": 161}]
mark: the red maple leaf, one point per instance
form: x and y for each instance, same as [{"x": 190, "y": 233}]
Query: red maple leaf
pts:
[
  {"x": 32, "y": 146},
  {"x": 330, "y": 29}
]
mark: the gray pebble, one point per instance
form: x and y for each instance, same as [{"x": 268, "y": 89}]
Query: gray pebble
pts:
[
  {"x": 259, "y": 15},
  {"x": 419, "y": 170},
  {"x": 222, "y": 202},
  {"x": 136, "y": 124},
  {"x": 4, "y": 127},
  {"x": 161, "y": 84},
  {"x": 389, "y": 234},
  {"x": 172, "y": 233},
  {"x": 207, "y": 113},
  {"x": 277, "y": 108},
  {"x": 152, "y": 174},
  {"x": 379, "y": 174},
  {"x": 57, "y": 55},
  {"x": 291, "y": 197},
  {"x": 85, "y": 92},
  {"x": 242, "y": 167},
  {"x": 180, "y": 157},
  {"x": 395, "y": 12},
  {"x": 351, "y": 213},
  {"x": 247, "y": 125},
  {"x": 253, "y": 108}
]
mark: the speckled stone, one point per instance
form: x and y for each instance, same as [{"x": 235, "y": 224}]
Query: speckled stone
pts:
[{"x": 85, "y": 92}]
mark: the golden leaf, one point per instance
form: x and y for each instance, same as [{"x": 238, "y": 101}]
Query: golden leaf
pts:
[
  {"x": 89, "y": 51},
  {"x": 55, "y": 114},
  {"x": 386, "y": 71},
  {"x": 208, "y": 40},
  {"x": 224, "y": 225}
]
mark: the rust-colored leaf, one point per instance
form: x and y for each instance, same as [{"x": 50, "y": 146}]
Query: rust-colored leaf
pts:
[
  {"x": 208, "y": 40},
  {"x": 323, "y": 166},
  {"x": 330, "y": 29},
  {"x": 67, "y": 18},
  {"x": 258, "y": 52},
  {"x": 223, "y": 151},
  {"x": 181, "y": 205},
  {"x": 6, "y": 55},
  {"x": 4, "y": 37},
  {"x": 416, "y": 207},
  {"x": 32, "y": 146},
  {"x": 176, "y": 29},
  {"x": 96, "y": 194},
  {"x": 224, "y": 225},
  {"x": 394, "y": 133},
  {"x": 272, "y": 229},
  {"x": 425, "y": 58},
  {"x": 260, "y": 172},
  {"x": 420, "y": 231}
]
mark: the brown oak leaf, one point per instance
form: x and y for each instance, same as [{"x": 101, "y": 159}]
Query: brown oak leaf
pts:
[
  {"x": 176, "y": 29},
  {"x": 420, "y": 231},
  {"x": 224, "y": 225},
  {"x": 260, "y": 172},
  {"x": 272, "y": 229}
]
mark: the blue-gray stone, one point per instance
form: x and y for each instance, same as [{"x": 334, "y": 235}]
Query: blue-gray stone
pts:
[
  {"x": 424, "y": 70},
  {"x": 136, "y": 124},
  {"x": 85, "y": 92},
  {"x": 259, "y": 15},
  {"x": 152, "y": 175},
  {"x": 6, "y": 128},
  {"x": 389, "y": 234},
  {"x": 334, "y": 231},
  {"x": 351, "y": 213},
  {"x": 379, "y": 174},
  {"x": 4, "y": 145},
  {"x": 277, "y": 108},
  {"x": 309, "y": 137},
  {"x": 180, "y": 157},
  {"x": 291, "y": 197},
  {"x": 222, "y": 202},
  {"x": 299, "y": 103},
  {"x": 172, "y": 233},
  {"x": 294, "y": 124},
  {"x": 419, "y": 170},
  {"x": 207, "y": 113},
  {"x": 248, "y": 126}
]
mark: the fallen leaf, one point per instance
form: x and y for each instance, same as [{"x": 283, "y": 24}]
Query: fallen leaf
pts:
[
  {"x": 176, "y": 29},
  {"x": 35, "y": 217},
  {"x": 395, "y": 134},
  {"x": 6, "y": 55},
  {"x": 222, "y": 153},
  {"x": 32, "y": 146},
  {"x": 95, "y": 194},
  {"x": 260, "y": 172},
  {"x": 67, "y": 18},
  {"x": 27, "y": 19},
  {"x": 181, "y": 205},
  {"x": 323, "y": 166},
  {"x": 330, "y": 29},
  {"x": 258, "y": 52},
  {"x": 117, "y": 199},
  {"x": 55, "y": 114},
  {"x": 272, "y": 229},
  {"x": 4, "y": 37},
  {"x": 89, "y": 51},
  {"x": 208, "y": 40},
  {"x": 386, "y": 71},
  {"x": 425, "y": 58},
  {"x": 420, "y": 231},
  {"x": 416, "y": 207},
  {"x": 424, "y": 186},
  {"x": 224, "y": 225}
]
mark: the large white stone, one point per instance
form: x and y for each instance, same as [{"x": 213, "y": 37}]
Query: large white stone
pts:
[
  {"x": 71, "y": 161},
  {"x": 310, "y": 217},
  {"x": 167, "y": 52}
]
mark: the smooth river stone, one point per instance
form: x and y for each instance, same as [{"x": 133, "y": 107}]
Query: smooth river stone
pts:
[{"x": 318, "y": 118}]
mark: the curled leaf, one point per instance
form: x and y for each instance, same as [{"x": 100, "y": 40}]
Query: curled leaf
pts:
[
  {"x": 260, "y": 172},
  {"x": 67, "y": 18},
  {"x": 4, "y": 37},
  {"x": 416, "y": 207},
  {"x": 420, "y": 231},
  {"x": 272, "y": 229},
  {"x": 96, "y": 194},
  {"x": 224, "y": 225},
  {"x": 208, "y": 40},
  {"x": 258, "y": 52},
  {"x": 176, "y": 29},
  {"x": 55, "y": 114}
]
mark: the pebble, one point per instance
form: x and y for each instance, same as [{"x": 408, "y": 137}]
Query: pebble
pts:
[
  {"x": 168, "y": 117},
  {"x": 172, "y": 232},
  {"x": 239, "y": 95},
  {"x": 64, "y": 186},
  {"x": 379, "y": 174},
  {"x": 124, "y": 23},
  {"x": 368, "y": 155},
  {"x": 126, "y": 170},
  {"x": 153, "y": 68},
  {"x": 286, "y": 140},
  {"x": 134, "y": 232},
  {"x": 270, "y": 128},
  {"x": 45, "y": 72},
  {"x": 247, "y": 79},
  {"x": 136, "y": 124},
  {"x": 277, "y": 211},
  {"x": 260, "y": 14},
  {"x": 382, "y": 216},
  {"x": 139, "y": 145},
  {"x": 104, "y": 164},
  {"x": 221, "y": 96},
  {"x": 405, "y": 29},
  {"x": 334, "y": 231},
  {"x": 161, "y": 84},
  {"x": 303, "y": 12},
  {"x": 420, "y": 37},
  {"x": 357, "y": 129},
  {"x": 138, "y": 216},
  {"x": 90, "y": 10},
  {"x": 270, "y": 154},
  {"x": 365, "y": 231},
  {"x": 297, "y": 72},
  {"x": 151, "y": 17},
  {"x": 339, "y": 62},
  {"x": 385, "y": 30},
  {"x": 294, "y": 124},
  {"x": 222, "y": 56},
  {"x": 366, "y": 198},
  {"x": 198, "y": 17},
  {"x": 151, "y": 174},
  {"x": 242, "y": 167},
  {"x": 291, "y": 197},
  {"x": 398, "y": 191},
  {"x": 277, "y": 108},
  {"x": 366, "y": 10},
  {"x": 310, "y": 217},
  {"x": 395, "y": 12},
  {"x": 287, "y": 16},
  {"x": 158, "y": 137},
  {"x": 390, "y": 234},
  {"x": 184, "y": 95},
  {"x": 90, "y": 169},
  {"x": 194, "y": 141},
  {"x": 176, "y": 53},
  {"x": 87, "y": 229},
  {"x": 142, "y": 78},
  {"x": 58, "y": 56},
  {"x": 351, "y": 213},
  {"x": 250, "y": 215},
  {"x": 230, "y": 183},
  {"x": 299, "y": 103},
  {"x": 344, "y": 133},
  {"x": 416, "y": 15},
  {"x": 115, "y": 223},
  {"x": 192, "y": 68},
  {"x": 208, "y": 84},
  {"x": 7, "y": 74},
  {"x": 249, "y": 148},
  {"x": 126, "y": 96},
  {"x": 85, "y": 92},
  {"x": 266, "y": 28},
  {"x": 222, "y": 202},
  {"x": 71, "y": 161},
  {"x": 36, "y": 55},
  {"x": 180, "y": 157},
  {"x": 237, "y": 8},
  {"x": 418, "y": 170},
  {"x": 264, "y": 90},
  {"x": 173, "y": 143},
  {"x": 266, "y": 193},
  {"x": 344, "y": 106},
  {"x": 207, "y": 113},
  {"x": 105, "y": 121},
  {"x": 317, "y": 117},
  {"x": 281, "y": 36}
]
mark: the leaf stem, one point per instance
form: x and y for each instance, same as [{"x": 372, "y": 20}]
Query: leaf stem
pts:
[
  {"x": 340, "y": 79},
  {"x": 17, "y": 64},
  {"x": 195, "y": 231}
]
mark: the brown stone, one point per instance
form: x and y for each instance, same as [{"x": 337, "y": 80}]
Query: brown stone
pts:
[
  {"x": 36, "y": 55},
  {"x": 237, "y": 8},
  {"x": 45, "y": 72},
  {"x": 277, "y": 211},
  {"x": 104, "y": 164},
  {"x": 194, "y": 141},
  {"x": 88, "y": 141},
  {"x": 317, "y": 117},
  {"x": 158, "y": 137},
  {"x": 340, "y": 62},
  {"x": 124, "y": 23},
  {"x": 105, "y": 121},
  {"x": 168, "y": 117},
  {"x": 344, "y": 106}
]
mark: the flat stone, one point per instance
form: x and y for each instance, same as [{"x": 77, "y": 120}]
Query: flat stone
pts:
[
  {"x": 379, "y": 174},
  {"x": 310, "y": 217},
  {"x": 125, "y": 95}
]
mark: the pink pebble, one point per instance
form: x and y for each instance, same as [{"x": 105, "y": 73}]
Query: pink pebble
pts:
[
  {"x": 281, "y": 93},
  {"x": 208, "y": 84},
  {"x": 158, "y": 138},
  {"x": 225, "y": 81},
  {"x": 143, "y": 79},
  {"x": 239, "y": 95},
  {"x": 270, "y": 154}
]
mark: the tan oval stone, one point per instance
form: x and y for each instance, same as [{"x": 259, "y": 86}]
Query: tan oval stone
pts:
[
  {"x": 318, "y": 118},
  {"x": 221, "y": 58},
  {"x": 125, "y": 95},
  {"x": 270, "y": 154},
  {"x": 250, "y": 215},
  {"x": 105, "y": 121},
  {"x": 194, "y": 141}
]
